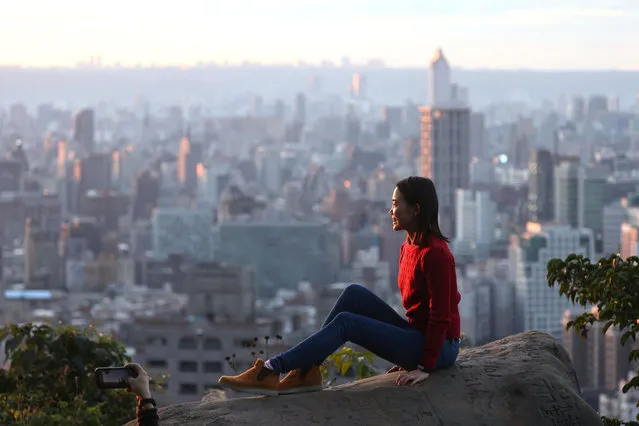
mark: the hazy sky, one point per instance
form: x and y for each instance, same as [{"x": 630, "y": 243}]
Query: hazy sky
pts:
[{"x": 547, "y": 34}]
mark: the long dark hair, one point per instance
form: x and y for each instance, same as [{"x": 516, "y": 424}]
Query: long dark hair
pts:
[{"x": 421, "y": 191}]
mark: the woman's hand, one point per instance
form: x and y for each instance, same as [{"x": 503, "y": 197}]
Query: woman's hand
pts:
[
  {"x": 412, "y": 378},
  {"x": 395, "y": 369}
]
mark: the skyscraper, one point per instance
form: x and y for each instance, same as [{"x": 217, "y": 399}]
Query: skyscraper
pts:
[
  {"x": 189, "y": 155},
  {"x": 446, "y": 157},
  {"x": 568, "y": 193},
  {"x": 358, "y": 86},
  {"x": 440, "y": 83},
  {"x": 84, "y": 130},
  {"x": 445, "y": 143},
  {"x": 541, "y": 186}
]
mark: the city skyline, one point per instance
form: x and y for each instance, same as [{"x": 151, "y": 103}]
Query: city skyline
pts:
[{"x": 582, "y": 35}]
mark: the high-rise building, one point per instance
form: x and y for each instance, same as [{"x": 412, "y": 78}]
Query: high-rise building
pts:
[
  {"x": 477, "y": 135},
  {"x": 358, "y": 86},
  {"x": 41, "y": 259},
  {"x": 600, "y": 360},
  {"x": 629, "y": 240},
  {"x": 540, "y": 307},
  {"x": 475, "y": 223},
  {"x": 189, "y": 155},
  {"x": 569, "y": 193},
  {"x": 595, "y": 185},
  {"x": 268, "y": 162},
  {"x": 11, "y": 176},
  {"x": 633, "y": 151},
  {"x": 300, "y": 108},
  {"x": 84, "y": 130},
  {"x": 576, "y": 109},
  {"x": 440, "y": 80},
  {"x": 445, "y": 157},
  {"x": 597, "y": 104},
  {"x": 221, "y": 293},
  {"x": 146, "y": 191},
  {"x": 541, "y": 189},
  {"x": 180, "y": 231},
  {"x": 614, "y": 215},
  {"x": 92, "y": 173},
  {"x": 445, "y": 142}
]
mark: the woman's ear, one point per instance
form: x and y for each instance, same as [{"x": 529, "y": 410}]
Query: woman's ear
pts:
[{"x": 417, "y": 209}]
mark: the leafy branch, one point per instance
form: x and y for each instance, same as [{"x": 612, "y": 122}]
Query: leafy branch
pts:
[
  {"x": 347, "y": 362},
  {"x": 612, "y": 285},
  {"x": 50, "y": 380}
]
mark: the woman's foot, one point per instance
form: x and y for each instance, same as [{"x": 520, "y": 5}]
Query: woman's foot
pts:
[
  {"x": 256, "y": 379},
  {"x": 298, "y": 381}
]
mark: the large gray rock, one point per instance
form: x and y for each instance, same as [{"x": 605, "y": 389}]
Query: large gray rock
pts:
[{"x": 524, "y": 379}]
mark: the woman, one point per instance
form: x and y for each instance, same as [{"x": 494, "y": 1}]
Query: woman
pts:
[{"x": 426, "y": 340}]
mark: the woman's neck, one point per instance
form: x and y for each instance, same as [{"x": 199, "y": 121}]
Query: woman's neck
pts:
[{"x": 411, "y": 236}]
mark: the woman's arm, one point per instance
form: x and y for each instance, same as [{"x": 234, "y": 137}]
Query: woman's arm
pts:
[
  {"x": 146, "y": 413},
  {"x": 438, "y": 268}
]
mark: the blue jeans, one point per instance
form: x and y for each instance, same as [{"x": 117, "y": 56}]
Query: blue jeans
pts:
[{"x": 359, "y": 316}]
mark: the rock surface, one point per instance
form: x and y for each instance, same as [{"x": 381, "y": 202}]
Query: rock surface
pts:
[{"x": 524, "y": 379}]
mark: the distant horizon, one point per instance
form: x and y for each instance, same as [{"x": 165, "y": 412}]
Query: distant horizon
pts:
[
  {"x": 292, "y": 65},
  {"x": 496, "y": 34}
]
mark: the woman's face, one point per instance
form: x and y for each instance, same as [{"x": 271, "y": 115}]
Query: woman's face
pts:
[{"x": 403, "y": 214}]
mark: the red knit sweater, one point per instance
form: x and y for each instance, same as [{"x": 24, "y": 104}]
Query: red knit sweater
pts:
[{"x": 428, "y": 285}]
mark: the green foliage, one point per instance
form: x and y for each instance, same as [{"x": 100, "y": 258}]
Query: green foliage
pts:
[
  {"x": 345, "y": 362},
  {"x": 612, "y": 285},
  {"x": 50, "y": 380}
]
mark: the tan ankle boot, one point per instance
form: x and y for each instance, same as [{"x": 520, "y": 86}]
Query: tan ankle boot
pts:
[
  {"x": 294, "y": 382},
  {"x": 254, "y": 380}
]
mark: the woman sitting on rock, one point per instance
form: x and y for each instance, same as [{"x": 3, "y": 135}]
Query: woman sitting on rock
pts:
[{"x": 426, "y": 340}]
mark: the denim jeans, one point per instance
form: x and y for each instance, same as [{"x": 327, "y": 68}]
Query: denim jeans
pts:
[{"x": 360, "y": 317}]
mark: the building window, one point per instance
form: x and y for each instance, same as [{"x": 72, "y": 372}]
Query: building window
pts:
[
  {"x": 157, "y": 363},
  {"x": 188, "y": 388},
  {"x": 188, "y": 366},
  {"x": 244, "y": 343},
  {"x": 212, "y": 367},
  {"x": 155, "y": 340},
  {"x": 212, "y": 344},
  {"x": 187, "y": 343}
]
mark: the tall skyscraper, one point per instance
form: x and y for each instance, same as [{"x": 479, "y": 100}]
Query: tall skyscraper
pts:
[
  {"x": 477, "y": 136},
  {"x": 475, "y": 222},
  {"x": 445, "y": 142},
  {"x": 576, "y": 109},
  {"x": 595, "y": 186},
  {"x": 440, "y": 82},
  {"x": 84, "y": 130},
  {"x": 569, "y": 193},
  {"x": 189, "y": 155},
  {"x": 300, "y": 108},
  {"x": 541, "y": 186},
  {"x": 358, "y": 86},
  {"x": 446, "y": 157}
]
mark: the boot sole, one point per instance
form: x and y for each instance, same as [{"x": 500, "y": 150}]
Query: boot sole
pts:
[
  {"x": 255, "y": 391},
  {"x": 303, "y": 389}
]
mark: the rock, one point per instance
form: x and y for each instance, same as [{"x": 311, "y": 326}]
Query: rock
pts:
[{"x": 524, "y": 379}]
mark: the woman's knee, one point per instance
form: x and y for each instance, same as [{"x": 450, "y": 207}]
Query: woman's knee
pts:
[
  {"x": 354, "y": 290},
  {"x": 343, "y": 317}
]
